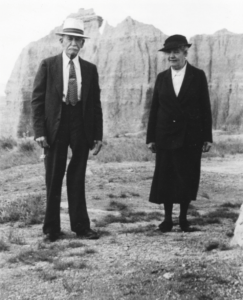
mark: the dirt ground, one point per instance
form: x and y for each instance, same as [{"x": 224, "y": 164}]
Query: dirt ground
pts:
[{"x": 132, "y": 259}]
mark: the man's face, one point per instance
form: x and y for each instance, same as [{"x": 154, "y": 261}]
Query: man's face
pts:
[
  {"x": 71, "y": 45},
  {"x": 177, "y": 58}
]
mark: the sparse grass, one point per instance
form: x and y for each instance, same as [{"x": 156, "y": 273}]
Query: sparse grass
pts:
[
  {"x": 202, "y": 221},
  {"x": 75, "y": 244},
  {"x": 61, "y": 265},
  {"x": 51, "y": 246},
  {"x": 113, "y": 205},
  {"x": 127, "y": 216},
  {"x": 139, "y": 229},
  {"x": 29, "y": 209},
  {"x": 16, "y": 153},
  {"x": 25, "y": 151},
  {"x": 211, "y": 245},
  {"x": 231, "y": 205},
  {"x": 193, "y": 212},
  {"x": 15, "y": 237},
  {"x": 223, "y": 213},
  {"x": 123, "y": 195},
  {"x": 215, "y": 217},
  {"x": 47, "y": 275},
  {"x": 33, "y": 256},
  {"x": 205, "y": 195},
  {"x": 3, "y": 245},
  {"x": 124, "y": 149},
  {"x": 86, "y": 251},
  {"x": 229, "y": 146},
  {"x": 193, "y": 282}
]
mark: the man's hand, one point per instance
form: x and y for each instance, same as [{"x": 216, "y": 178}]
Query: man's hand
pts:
[
  {"x": 41, "y": 141},
  {"x": 206, "y": 146},
  {"x": 97, "y": 147},
  {"x": 152, "y": 147}
]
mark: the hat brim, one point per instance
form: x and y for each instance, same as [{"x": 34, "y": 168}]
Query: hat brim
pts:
[
  {"x": 74, "y": 34},
  {"x": 168, "y": 48}
]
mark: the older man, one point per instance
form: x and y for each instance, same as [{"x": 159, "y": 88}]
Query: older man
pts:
[
  {"x": 67, "y": 112},
  {"x": 179, "y": 130}
]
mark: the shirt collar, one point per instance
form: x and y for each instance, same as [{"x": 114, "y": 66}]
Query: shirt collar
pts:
[
  {"x": 66, "y": 60},
  {"x": 180, "y": 72}
]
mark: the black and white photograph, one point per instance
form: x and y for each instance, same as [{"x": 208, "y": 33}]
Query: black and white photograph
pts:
[{"x": 121, "y": 150}]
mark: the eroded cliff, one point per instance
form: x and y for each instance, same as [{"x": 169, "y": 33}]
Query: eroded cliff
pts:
[{"x": 128, "y": 61}]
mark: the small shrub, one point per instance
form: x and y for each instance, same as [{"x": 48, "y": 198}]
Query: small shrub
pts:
[
  {"x": 134, "y": 194},
  {"x": 26, "y": 145},
  {"x": 29, "y": 209},
  {"x": 211, "y": 245},
  {"x": 90, "y": 251},
  {"x": 3, "y": 246},
  {"x": 230, "y": 234},
  {"x": 7, "y": 143}
]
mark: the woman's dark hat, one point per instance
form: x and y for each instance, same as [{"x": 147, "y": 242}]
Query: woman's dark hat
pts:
[{"x": 175, "y": 41}]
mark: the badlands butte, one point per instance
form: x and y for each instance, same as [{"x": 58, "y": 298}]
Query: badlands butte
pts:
[{"x": 128, "y": 62}]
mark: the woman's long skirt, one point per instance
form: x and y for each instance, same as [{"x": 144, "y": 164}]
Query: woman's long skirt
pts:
[{"x": 177, "y": 175}]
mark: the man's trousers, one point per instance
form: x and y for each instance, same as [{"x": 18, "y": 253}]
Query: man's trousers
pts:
[{"x": 70, "y": 133}]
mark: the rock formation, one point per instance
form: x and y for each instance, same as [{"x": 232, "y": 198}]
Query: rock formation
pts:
[
  {"x": 128, "y": 61},
  {"x": 221, "y": 57},
  {"x": 15, "y": 114}
]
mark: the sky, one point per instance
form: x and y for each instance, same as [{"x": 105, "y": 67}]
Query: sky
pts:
[{"x": 24, "y": 21}]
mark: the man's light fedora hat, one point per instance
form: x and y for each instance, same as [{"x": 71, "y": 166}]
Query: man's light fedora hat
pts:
[
  {"x": 73, "y": 26},
  {"x": 174, "y": 42}
]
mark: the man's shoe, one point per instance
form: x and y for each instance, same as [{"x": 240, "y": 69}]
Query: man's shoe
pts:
[
  {"x": 166, "y": 226},
  {"x": 52, "y": 236},
  {"x": 185, "y": 226},
  {"x": 88, "y": 234}
]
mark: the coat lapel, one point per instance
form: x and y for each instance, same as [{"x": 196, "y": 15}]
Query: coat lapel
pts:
[
  {"x": 171, "y": 91},
  {"x": 85, "y": 72},
  {"x": 186, "y": 82},
  {"x": 57, "y": 75}
]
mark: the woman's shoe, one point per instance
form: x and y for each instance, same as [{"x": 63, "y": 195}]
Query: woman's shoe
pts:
[
  {"x": 185, "y": 225},
  {"x": 166, "y": 226}
]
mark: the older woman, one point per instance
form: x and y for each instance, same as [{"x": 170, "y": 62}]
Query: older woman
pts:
[{"x": 179, "y": 130}]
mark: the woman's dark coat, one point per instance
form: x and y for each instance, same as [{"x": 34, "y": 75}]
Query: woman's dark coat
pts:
[{"x": 179, "y": 126}]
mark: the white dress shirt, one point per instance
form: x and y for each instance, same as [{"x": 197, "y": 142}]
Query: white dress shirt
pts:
[
  {"x": 177, "y": 78},
  {"x": 66, "y": 67}
]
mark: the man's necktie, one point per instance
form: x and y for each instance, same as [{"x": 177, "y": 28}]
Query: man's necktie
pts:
[{"x": 72, "y": 96}]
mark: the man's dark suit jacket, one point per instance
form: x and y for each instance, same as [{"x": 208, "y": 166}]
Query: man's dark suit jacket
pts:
[
  {"x": 183, "y": 120},
  {"x": 47, "y": 100}
]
